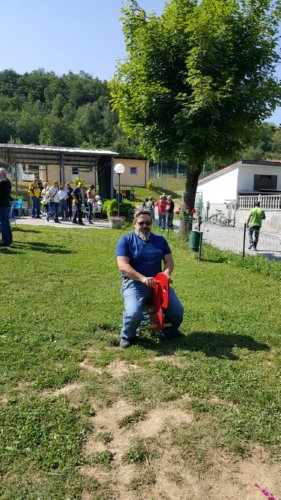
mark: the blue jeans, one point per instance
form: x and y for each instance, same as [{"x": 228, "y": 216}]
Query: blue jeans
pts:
[
  {"x": 53, "y": 211},
  {"x": 136, "y": 295},
  {"x": 5, "y": 225},
  {"x": 162, "y": 221},
  {"x": 36, "y": 205},
  {"x": 63, "y": 208},
  {"x": 78, "y": 213},
  {"x": 90, "y": 211},
  {"x": 254, "y": 231}
]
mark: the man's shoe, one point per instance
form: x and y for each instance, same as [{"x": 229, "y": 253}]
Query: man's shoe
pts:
[
  {"x": 2, "y": 244},
  {"x": 38, "y": 217},
  {"x": 124, "y": 343},
  {"x": 81, "y": 224},
  {"x": 74, "y": 222},
  {"x": 251, "y": 246}
]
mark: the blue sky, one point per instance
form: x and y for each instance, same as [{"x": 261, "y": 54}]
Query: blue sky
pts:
[{"x": 67, "y": 35}]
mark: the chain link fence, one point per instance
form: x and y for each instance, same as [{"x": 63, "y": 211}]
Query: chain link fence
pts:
[{"x": 236, "y": 239}]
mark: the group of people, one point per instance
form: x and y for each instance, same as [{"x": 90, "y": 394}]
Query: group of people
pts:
[
  {"x": 165, "y": 206},
  {"x": 64, "y": 201}
]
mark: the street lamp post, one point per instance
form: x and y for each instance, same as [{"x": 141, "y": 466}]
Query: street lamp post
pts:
[{"x": 119, "y": 169}]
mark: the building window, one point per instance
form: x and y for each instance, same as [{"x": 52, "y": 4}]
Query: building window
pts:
[
  {"x": 265, "y": 182},
  {"x": 75, "y": 171},
  {"x": 133, "y": 170}
]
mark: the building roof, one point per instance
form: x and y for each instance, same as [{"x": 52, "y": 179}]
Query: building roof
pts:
[
  {"x": 236, "y": 165},
  {"x": 51, "y": 155}
]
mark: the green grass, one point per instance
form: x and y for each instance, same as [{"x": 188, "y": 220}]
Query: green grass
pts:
[{"x": 61, "y": 305}]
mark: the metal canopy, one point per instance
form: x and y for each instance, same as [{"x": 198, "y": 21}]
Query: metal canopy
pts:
[{"x": 11, "y": 154}]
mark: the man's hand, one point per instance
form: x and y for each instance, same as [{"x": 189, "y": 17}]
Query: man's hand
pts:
[{"x": 149, "y": 281}]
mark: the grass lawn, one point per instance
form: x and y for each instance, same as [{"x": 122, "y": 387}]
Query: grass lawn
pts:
[{"x": 79, "y": 418}]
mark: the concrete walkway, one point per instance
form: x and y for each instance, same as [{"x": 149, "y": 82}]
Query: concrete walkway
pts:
[
  {"x": 29, "y": 221},
  {"x": 225, "y": 238}
]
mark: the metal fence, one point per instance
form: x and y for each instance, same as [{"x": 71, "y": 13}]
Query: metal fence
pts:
[{"x": 236, "y": 239}]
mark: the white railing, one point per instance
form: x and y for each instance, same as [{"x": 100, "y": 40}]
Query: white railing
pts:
[{"x": 268, "y": 201}]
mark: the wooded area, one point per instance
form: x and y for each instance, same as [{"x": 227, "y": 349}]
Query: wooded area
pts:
[
  {"x": 75, "y": 110},
  {"x": 70, "y": 110}
]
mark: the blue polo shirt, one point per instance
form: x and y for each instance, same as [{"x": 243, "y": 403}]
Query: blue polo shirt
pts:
[{"x": 144, "y": 256}]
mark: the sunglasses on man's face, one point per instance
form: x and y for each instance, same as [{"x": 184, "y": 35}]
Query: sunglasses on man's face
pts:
[{"x": 144, "y": 222}]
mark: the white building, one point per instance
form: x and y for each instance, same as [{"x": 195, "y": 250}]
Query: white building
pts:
[{"x": 238, "y": 186}]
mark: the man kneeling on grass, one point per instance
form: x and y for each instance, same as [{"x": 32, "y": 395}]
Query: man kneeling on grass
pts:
[{"x": 139, "y": 257}]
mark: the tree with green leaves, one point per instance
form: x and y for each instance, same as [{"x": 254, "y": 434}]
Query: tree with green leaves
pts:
[{"x": 198, "y": 79}]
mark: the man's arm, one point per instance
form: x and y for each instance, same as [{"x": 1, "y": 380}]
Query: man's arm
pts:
[
  {"x": 168, "y": 264},
  {"x": 126, "y": 268}
]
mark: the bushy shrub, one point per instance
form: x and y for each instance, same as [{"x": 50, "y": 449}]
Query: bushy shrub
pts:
[
  {"x": 127, "y": 209},
  {"x": 150, "y": 185},
  {"x": 78, "y": 179},
  {"x": 110, "y": 207}
]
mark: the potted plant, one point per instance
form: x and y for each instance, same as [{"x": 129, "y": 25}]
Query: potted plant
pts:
[{"x": 116, "y": 221}]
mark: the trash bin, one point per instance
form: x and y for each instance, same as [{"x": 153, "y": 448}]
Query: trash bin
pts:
[{"x": 194, "y": 240}]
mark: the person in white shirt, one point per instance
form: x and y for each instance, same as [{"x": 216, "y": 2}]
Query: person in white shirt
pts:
[
  {"x": 63, "y": 195},
  {"x": 98, "y": 206},
  {"x": 90, "y": 201},
  {"x": 53, "y": 195}
]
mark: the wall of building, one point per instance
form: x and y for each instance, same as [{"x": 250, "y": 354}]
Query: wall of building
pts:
[
  {"x": 136, "y": 172},
  {"x": 247, "y": 172},
  {"x": 221, "y": 188}
]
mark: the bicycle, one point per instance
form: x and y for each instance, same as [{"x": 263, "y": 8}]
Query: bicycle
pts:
[{"x": 219, "y": 218}]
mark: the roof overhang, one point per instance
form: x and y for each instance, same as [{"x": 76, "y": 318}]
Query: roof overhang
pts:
[{"x": 11, "y": 154}]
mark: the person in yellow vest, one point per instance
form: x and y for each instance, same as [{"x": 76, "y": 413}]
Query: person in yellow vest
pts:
[
  {"x": 254, "y": 222},
  {"x": 35, "y": 195}
]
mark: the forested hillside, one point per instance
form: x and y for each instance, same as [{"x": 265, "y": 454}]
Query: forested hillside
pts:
[
  {"x": 75, "y": 110},
  {"x": 68, "y": 110}
]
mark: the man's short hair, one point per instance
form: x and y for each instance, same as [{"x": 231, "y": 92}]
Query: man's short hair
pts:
[
  {"x": 257, "y": 204},
  {"x": 142, "y": 211}
]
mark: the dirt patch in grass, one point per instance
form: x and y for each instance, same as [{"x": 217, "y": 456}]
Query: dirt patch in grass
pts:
[
  {"x": 164, "y": 474},
  {"x": 237, "y": 478},
  {"x": 118, "y": 368},
  {"x": 161, "y": 417},
  {"x": 86, "y": 365},
  {"x": 133, "y": 480},
  {"x": 65, "y": 390}
]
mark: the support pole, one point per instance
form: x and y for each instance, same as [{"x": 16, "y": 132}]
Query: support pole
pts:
[
  {"x": 244, "y": 239},
  {"x": 119, "y": 194}
]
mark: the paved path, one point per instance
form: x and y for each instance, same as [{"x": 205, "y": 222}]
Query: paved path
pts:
[
  {"x": 97, "y": 223},
  {"x": 225, "y": 238}
]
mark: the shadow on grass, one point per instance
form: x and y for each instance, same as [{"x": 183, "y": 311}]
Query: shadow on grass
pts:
[
  {"x": 218, "y": 345},
  {"x": 271, "y": 256},
  {"x": 41, "y": 247},
  {"x": 21, "y": 230}
]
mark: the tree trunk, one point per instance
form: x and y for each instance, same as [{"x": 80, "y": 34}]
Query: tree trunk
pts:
[{"x": 192, "y": 176}]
